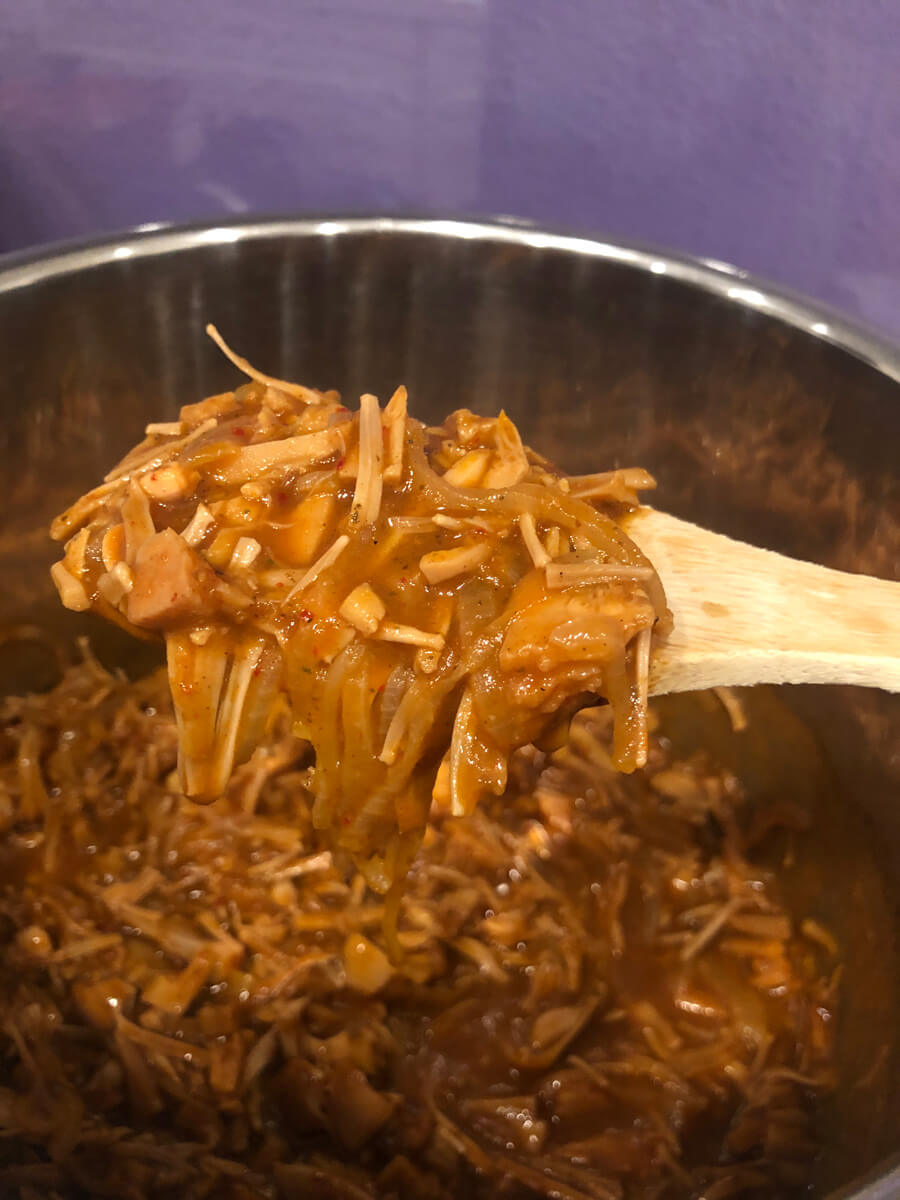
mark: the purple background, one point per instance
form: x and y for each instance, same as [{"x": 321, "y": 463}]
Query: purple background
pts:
[{"x": 762, "y": 132}]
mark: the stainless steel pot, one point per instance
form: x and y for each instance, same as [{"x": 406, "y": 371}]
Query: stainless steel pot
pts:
[{"x": 761, "y": 415}]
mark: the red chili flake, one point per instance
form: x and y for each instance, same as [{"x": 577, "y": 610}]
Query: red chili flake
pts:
[
  {"x": 340, "y": 463},
  {"x": 153, "y": 476},
  {"x": 403, "y": 579},
  {"x": 305, "y": 615},
  {"x": 238, "y": 431},
  {"x": 257, "y": 670},
  {"x": 283, "y": 497},
  {"x": 342, "y": 408},
  {"x": 280, "y": 583},
  {"x": 381, "y": 688},
  {"x": 315, "y": 651}
]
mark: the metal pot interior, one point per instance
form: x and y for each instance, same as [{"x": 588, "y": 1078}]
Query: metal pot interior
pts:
[{"x": 753, "y": 420}]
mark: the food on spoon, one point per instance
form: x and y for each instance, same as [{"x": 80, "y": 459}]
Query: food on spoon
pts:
[{"x": 429, "y": 598}]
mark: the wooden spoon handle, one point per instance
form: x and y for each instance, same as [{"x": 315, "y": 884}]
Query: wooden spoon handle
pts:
[{"x": 744, "y": 615}]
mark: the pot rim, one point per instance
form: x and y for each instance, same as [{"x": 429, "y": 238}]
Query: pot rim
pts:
[{"x": 22, "y": 268}]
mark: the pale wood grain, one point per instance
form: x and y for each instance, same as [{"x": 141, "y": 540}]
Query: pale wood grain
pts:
[{"x": 744, "y": 615}]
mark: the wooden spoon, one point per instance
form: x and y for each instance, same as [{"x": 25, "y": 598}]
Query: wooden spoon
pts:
[{"x": 744, "y": 615}]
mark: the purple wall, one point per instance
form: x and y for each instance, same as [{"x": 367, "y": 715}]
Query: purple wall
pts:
[{"x": 763, "y": 132}]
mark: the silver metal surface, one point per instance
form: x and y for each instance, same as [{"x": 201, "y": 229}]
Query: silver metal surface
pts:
[
  {"x": 762, "y": 415},
  {"x": 721, "y": 278}
]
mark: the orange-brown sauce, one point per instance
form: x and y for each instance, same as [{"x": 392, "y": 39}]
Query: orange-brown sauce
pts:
[
  {"x": 198, "y": 999},
  {"x": 429, "y": 599}
]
